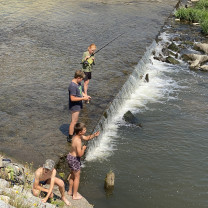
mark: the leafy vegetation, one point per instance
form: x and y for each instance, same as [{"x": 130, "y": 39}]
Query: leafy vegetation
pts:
[{"x": 198, "y": 13}]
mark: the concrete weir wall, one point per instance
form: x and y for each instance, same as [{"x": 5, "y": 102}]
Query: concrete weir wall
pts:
[{"x": 41, "y": 47}]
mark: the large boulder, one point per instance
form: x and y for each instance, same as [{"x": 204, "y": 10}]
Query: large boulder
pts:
[
  {"x": 201, "y": 47},
  {"x": 130, "y": 118},
  {"x": 204, "y": 68},
  {"x": 196, "y": 60}
]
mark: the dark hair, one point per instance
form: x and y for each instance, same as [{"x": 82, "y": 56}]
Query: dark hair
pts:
[
  {"x": 79, "y": 127},
  {"x": 79, "y": 74}
]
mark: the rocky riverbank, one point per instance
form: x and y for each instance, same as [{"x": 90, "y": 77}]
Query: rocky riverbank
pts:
[
  {"x": 187, "y": 44},
  {"x": 18, "y": 194}
]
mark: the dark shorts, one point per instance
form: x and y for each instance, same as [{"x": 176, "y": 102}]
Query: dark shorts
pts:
[
  {"x": 43, "y": 182},
  {"x": 87, "y": 76},
  {"x": 75, "y": 108},
  {"x": 74, "y": 162}
]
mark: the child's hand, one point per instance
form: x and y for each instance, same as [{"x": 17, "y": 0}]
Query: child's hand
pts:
[
  {"x": 44, "y": 200},
  {"x": 97, "y": 133},
  {"x": 87, "y": 57},
  {"x": 85, "y": 98}
]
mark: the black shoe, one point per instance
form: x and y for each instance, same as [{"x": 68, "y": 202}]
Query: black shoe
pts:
[{"x": 69, "y": 138}]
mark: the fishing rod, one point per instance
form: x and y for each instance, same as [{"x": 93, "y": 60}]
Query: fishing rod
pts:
[
  {"x": 108, "y": 43},
  {"x": 88, "y": 61}
]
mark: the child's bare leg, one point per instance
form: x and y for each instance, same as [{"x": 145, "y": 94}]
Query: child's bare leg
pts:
[
  {"x": 61, "y": 186},
  {"x": 74, "y": 120},
  {"x": 71, "y": 183},
  {"x": 76, "y": 195},
  {"x": 86, "y": 83}
]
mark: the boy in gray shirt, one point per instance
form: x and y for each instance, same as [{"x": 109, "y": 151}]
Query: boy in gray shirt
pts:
[{"x": 75, "y": 100}]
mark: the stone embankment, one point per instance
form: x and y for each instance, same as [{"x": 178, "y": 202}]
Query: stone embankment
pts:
[
  {"x": 187, "y": 44},
  {"x": 15, "y": 195}
]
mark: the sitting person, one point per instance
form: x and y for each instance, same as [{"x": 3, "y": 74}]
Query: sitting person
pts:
[{"x": 47, "y": 175}]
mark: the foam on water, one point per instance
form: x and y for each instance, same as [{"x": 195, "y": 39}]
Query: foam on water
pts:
[{"x": 135, "y": 95}]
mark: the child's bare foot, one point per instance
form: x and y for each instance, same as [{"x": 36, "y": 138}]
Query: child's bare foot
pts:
[
  {"x": 77, "y": 197},
  {"x": 66, "y": 201},
  {"x": 69, "y": 193}
]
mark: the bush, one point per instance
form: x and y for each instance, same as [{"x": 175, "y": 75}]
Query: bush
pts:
[
  {"x": 202, "y": 4},
  {"x": 182, "y": 14},
  {"x": 204, "y": 26},
  {"x": 197, "y": 14}
]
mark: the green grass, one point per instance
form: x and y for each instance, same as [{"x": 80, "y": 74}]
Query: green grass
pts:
[
  {"x": 198, "y": 13},
  {"x": 202, "y": 4},
  {"x": 204, "y": 26}
]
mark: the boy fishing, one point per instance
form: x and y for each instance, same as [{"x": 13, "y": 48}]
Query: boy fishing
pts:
[
  {"x": 88, "y": 60},
  {"x": 73, "y": 158},
  {"x": 76, "y": 96}
]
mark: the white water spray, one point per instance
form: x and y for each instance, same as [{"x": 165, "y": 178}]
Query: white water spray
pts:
[{"x": 134, "y": 95}]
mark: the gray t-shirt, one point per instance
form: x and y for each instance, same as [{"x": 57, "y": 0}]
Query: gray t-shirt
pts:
[{"x": 75, "y": 90}]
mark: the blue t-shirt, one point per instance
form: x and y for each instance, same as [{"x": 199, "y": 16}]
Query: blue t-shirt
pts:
[{"x": 75, "y": 90}]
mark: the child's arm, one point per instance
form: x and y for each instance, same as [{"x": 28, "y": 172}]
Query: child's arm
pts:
[
  {"x": 80, "y": 149},
  {"x": 51, "y": 186},
  {"x": 89, "y": 137},
  {"x": 74, "y": 98},
  {"x": 84, "y": 95}
]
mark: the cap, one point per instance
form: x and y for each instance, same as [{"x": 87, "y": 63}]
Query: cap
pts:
[{"x": 49, "y": 164}]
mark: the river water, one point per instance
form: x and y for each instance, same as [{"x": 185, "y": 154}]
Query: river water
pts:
[{"x": 162, "y": 164}]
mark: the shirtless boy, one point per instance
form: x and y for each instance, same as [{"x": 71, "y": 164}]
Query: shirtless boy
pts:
[
  {"x": 73, "y": 158},
  {"x": 47, "y": 175}
]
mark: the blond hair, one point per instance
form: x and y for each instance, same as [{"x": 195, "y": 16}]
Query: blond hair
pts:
[{"x": 92, "y": 45}]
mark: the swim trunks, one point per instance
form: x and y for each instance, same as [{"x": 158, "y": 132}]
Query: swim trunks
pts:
[
  {"x": 87, "y": 76},
  {"x": 74, "y": 162},
  {"x": 41, "y": 182}
]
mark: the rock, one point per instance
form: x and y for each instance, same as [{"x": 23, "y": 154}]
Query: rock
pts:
[
  {"x": 201, "y": 47},
  {"x": 4, "y": 184},
  {"x": 171, "y": 60},
  {"x": 197, "y": 60},
  {"x": 4, "y": 205},
  {"x": 204, "y": 68},
  {"x": 125, "y": 72},
  {"x": 109, "y": 180},
  {"x": 176, "y": 38},
  {"x": 5, "y": 198},
  {"x": 130, "y": 118},
  {"x": 173, "y": 47},
  {"x": 15, "y": 172},
  {"x": 147, "y": 77},
  {"x": 185, "y": 57},
  {"x": 159, "y": 58},
  {"x": 165, "y": 52}
]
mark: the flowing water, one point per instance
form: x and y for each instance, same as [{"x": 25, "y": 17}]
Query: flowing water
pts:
[{"x": 162, "y": 164}]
